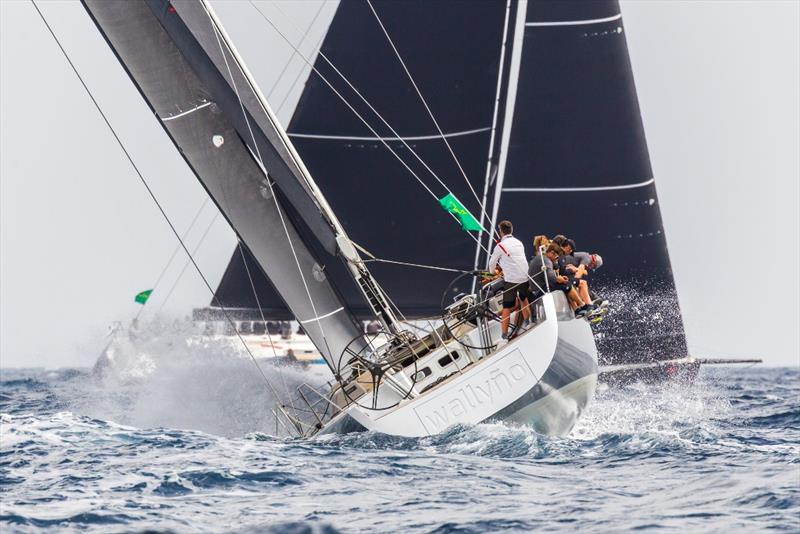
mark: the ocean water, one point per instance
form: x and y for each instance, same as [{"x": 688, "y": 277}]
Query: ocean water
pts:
[{"x": 182, "y": 439}]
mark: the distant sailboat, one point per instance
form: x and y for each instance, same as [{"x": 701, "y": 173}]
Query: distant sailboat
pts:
[{"x": 397, "y": 382}]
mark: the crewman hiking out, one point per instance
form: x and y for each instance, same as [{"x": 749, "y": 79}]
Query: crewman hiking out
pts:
[{"x": 541, "y": 268}]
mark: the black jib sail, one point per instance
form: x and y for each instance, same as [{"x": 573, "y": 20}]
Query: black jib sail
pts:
[
  {"x": 452, "y": 49},
  {"x": 569, "y": 155},
  {"x": 181, "y": 64}
]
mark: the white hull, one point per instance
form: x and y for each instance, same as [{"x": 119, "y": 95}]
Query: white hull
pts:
[{"x": 544, "y": 378}]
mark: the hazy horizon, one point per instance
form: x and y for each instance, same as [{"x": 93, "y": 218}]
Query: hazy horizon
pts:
[{"x": 718, "y": 86}]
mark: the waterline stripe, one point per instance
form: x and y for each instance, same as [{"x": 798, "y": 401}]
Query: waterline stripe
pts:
[
  {"x": 575, "y": 22},
  {"x": 179, "y": 115},
  {"x": 373, "y": 138},
  {"x": 574, "y": 189}
]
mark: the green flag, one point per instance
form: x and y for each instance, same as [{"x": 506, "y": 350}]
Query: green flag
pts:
[
  {"x": 451, "y": 204},
  {"x": 142, "y": 297}
]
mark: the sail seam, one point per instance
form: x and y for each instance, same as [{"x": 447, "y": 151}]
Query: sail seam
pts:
[
  {"x": 575, "y": 22},
  {"x": 575, "y": 189},
  {"x": 391, "y": 138}
]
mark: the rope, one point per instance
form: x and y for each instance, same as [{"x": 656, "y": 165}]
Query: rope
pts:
[
  {"x": 172, "y": 257},
  {"x": 356, "y": 113},
  {"x": 217, "y": 34},
  {"x": 291, "y": 57},
  {"x": 152, "y": 195},
  {"x": 186, "y": 265},
  {"x": 361, "y": 118},
  {"x": 418, "y": 265},
  {"x": 477, "y": 240},
  {"x": 377, "y": 114},
  {"x": 264, "y": 320},
  {"x": 430, "y": 113},
  {"x": 297, "y": 78}
]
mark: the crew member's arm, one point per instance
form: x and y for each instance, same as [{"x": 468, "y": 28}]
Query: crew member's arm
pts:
[{"x": 494, "y": 258}]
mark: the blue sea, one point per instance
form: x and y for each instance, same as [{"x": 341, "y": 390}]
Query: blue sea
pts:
[{"x": 188, "y": 444}]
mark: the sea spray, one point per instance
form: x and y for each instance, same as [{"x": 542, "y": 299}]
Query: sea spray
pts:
[{"x": 167, "y": 374}]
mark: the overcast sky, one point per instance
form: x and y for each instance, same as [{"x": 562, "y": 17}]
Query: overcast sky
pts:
[{"x": 719, "y": 88}]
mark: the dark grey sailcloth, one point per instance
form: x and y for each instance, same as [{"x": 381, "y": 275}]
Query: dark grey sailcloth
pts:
[{"x": 177, "y": 68}]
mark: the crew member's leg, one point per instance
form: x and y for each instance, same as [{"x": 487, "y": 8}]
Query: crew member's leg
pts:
[
  {"x": 574, "y": 299},
  {"x": 583, "y": 291},
  {"x": 509, "y": 301},
  {"x": 525, "y": 298}
]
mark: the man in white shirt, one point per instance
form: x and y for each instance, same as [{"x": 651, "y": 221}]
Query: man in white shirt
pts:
[{"x": 509, "y": 253}]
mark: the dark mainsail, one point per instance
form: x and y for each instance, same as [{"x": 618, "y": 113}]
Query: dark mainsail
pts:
[
  {"x": 570, "y": 155},
  {"x": 574, "y": 161},
  {"x": 172, "y": 54}
]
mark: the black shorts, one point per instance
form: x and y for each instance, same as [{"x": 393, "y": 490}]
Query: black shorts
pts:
[
  {"x": 511, "y": 291},
  {"x": 566, "y": 288}
]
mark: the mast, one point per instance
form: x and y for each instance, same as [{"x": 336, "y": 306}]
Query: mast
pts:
[
  {"x": 491, "y": 162},
  {"x": 510, "y": 101},
  {"x": 574, "y": 161}
]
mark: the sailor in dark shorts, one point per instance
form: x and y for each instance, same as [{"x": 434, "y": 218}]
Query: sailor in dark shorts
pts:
[{"x": 509, "y": 254}]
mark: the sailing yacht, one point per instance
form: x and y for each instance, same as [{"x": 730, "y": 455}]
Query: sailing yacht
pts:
[
  {"x": 399, "y": 381},
  {"x": 538, "y": 101}
]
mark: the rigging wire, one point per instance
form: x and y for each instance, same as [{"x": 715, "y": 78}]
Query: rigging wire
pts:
[
  {"x": 153, "y": 197},
  {"x": 357, "y": 114},
  {"x": 291, "y": 57},
  {"x": 186, "y": 265},
  {"x": 418, "y": 265},
  {"x": 484, "y": 215},
  {"x": 298, "y": 76},
  {"x": 363, "y": 120},
  {"x": 172, "y": 257},
  {"x": 217, "y": 34},
  {"x": 264, "y": 320}
]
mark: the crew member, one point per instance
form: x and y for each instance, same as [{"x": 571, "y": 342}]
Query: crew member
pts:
[
  {"x": 588, "y": 263},
  {"x": 542, "y": 267},
  {"x": 509, "y": 254}
]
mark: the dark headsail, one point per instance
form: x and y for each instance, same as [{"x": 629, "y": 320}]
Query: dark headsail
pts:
[
  {"x": 572, "y": 156},
  {"x": 452, "y": 49},
  {"x": 176, "y": 58},
  {"x": 575, "y": 162}
]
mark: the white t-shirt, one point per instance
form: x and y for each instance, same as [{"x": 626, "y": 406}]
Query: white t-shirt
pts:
[{"x": 510, "y": 254}]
